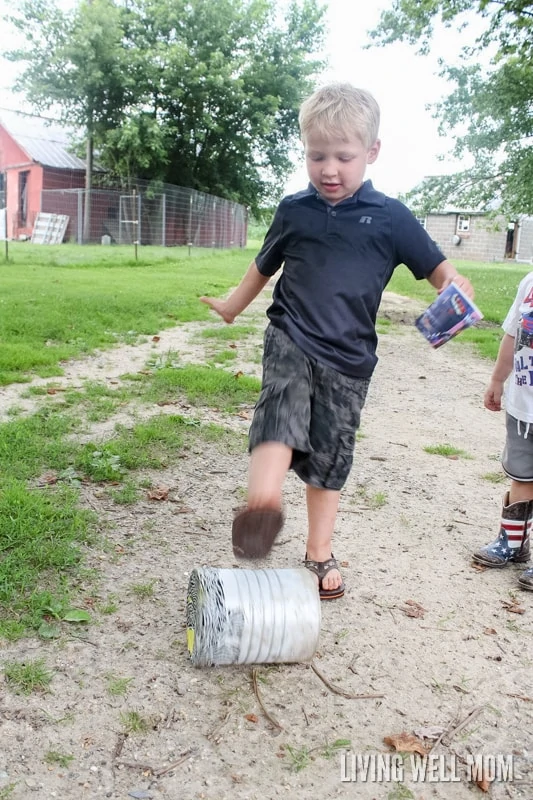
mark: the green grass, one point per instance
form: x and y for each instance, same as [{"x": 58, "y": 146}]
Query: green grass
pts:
[
  {"x": 200, "y": 385},
  {"x": 447, "y": 450},
  {"x": 134, "y": 722},
  {"x": 117, "y": 686},
  {"x": 60, "y": 302},
  {"x": 26, "y": 677},
  {"x": 43, "y": 531},
  {"x": 41, "y": 536},
  {"x": 495, "y": 477},
  {"x": 227, "y": 333},
  {"x": 54, "y": 757}
]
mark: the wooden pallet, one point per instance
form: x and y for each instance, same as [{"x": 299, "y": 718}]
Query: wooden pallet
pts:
[{"x": 49, "y": 228}]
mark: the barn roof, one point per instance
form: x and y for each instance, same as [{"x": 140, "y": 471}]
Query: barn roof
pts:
[
  {"x": 49, "y": 153},
  {"x": 47, "y": 145}
]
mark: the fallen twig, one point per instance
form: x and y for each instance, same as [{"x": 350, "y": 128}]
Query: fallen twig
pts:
[
  {"x": 212, "y": 734},
  {"x": 269, "y": 716},
  {"x": 450, "y": 732},
  {"x": 520, "y": 697},
  {"x": 338, "y": 690},
  {"x": 120, "y": 744},
  {"x": 157, "y": 773}
]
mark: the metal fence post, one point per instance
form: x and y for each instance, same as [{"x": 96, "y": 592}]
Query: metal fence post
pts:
[{"x": 80, "y": 217}]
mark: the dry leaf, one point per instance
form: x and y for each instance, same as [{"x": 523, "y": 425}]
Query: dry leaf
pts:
[
  {"x": 483, "y": 782},
  {"x": 407, "y": 743},
  {"x": 251, "y": 718},
  {"x": 232, "y": 345},
  {"x": 478, "y": 567},
  {"x": 238, "y": 374},
  {"x": 156, "y": 338},
  {"x": 158, "y": 493},
  {"x": 243, "y": 415},
  {"x": 413, "y": 609},
  {"x": 490, "y": 631},
  {"x": 48, "y": 479},
  {"x": 513, "y": 607}
]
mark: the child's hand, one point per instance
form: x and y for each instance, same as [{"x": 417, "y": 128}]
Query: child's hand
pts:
[
  {"x": 220, "y": 306},
  {"x": 492, "y": 398},
  {"x": 460, "y": 281}
]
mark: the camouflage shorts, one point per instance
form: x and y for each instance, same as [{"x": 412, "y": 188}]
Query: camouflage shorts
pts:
[{"x": 310, "y": 407}]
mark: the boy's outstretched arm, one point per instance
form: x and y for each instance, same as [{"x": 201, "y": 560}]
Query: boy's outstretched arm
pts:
[
  {"x": 241, "y": 297},
  {"x": 492, "y": 399},
  {"x": 444, "y": 274}
]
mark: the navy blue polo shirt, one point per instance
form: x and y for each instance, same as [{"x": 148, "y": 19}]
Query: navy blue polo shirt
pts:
[{"x": 337, "y": 260}]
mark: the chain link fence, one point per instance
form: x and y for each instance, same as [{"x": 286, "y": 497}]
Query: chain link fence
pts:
[{"x": 141, "y": 214}]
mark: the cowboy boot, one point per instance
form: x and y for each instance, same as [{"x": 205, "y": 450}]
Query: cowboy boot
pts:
[
  {"x": 525, "y": 580},
  {"x": 512, "y": 544}
]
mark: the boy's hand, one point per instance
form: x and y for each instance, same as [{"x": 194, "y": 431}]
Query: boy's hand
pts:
[
  {"x": 220, "y": 306},
  {"x": 492, "y": 398},
  {"x": 460, "y": 281}
]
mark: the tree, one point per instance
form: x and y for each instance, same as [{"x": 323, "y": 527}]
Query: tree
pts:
[
  {"x": 224, "y": 82},
  {"x": 489, "y": 113},
  {"x": 192, "y": 92},
  {"x": 76, "y": 64}
]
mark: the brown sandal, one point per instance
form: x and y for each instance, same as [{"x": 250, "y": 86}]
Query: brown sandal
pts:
[
  {"x": 254, "y": 531},
  {"x": 321, "y": 569}
]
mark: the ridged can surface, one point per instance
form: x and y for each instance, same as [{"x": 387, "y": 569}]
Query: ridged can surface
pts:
[{"x": 252, "y": 616}]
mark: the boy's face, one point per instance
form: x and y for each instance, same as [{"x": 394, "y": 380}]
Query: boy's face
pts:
[{"x": 336, "y": 165}]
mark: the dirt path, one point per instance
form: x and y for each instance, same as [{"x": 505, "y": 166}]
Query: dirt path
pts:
[{"x": 408, "y": 524}]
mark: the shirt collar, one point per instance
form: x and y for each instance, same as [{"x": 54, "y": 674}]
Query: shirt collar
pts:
[{"x": 365, "y": 194}]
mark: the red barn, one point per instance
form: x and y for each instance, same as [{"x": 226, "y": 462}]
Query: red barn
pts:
[{"x": 29, "y": 164}]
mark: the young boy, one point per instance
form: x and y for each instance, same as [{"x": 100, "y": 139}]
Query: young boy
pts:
[
  {"x": 339, "y": 242},
  {"x": 515, "y": 354}
]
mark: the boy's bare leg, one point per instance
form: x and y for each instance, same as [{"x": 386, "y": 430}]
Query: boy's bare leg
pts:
[
  {"x": 269, "y": 464},
  {"x": 322, "y": 506},
  {"x": 520, "y": 491}
]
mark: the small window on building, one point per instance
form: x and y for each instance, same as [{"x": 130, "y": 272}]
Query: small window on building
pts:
[
  {"x": 2, "y": 190},
  {"x": 23, "y": 197},
  {"x": 463, "y": 223},
  {"x": 422, "y": 221}
]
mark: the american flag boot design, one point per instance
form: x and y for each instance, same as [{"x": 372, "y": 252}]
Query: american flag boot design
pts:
[{"x": 512, "y": 544}]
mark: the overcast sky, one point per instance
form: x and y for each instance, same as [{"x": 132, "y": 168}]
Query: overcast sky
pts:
[{"x": 402, "y": 82}]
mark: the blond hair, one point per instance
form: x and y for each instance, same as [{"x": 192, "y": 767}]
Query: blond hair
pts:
[{"x": 340, "y": 108}]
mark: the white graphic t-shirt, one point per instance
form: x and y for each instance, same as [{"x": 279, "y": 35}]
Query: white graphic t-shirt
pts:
[{"x": 519, "y": 323}]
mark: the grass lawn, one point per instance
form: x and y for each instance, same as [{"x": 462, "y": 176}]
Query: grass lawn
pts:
[{"x": 64, "y": 301}]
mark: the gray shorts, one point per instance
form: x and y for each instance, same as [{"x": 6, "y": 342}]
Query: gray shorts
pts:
[
  {"x": 517, "y": 459},
  {"x": 310, "y": 407}
]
